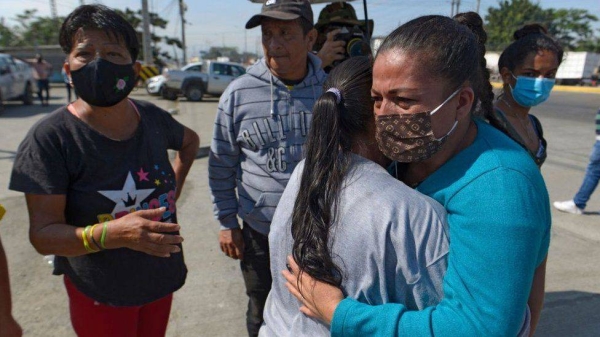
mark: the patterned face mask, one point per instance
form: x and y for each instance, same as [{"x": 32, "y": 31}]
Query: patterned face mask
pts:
[{"x": 409, "y": 138}]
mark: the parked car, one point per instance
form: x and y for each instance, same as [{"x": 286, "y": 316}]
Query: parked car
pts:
[
  {"x": 155, "y": 85},
  {"x": 197, "y": 79},
  {"x": 16, "y": 80}
]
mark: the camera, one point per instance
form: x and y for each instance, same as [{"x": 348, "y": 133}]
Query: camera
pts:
[{"x": 356, "y": 42}]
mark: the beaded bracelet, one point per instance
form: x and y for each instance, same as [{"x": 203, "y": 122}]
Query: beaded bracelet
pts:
[
  {"x": 94, "y": 239},
  {"x": 103, "y": 236},
  {"x": 86, "y": 243}
]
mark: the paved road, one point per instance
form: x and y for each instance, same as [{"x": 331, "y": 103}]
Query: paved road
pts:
[{"x": 212, "y": 303}]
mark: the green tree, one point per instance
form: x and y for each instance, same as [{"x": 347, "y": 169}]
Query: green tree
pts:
[
  {"x": 510, "y": 15},
  {"x": 7, "y": 37},
  {"x": 31, "y": 30},
  {"x": 572, "y": 27},
  {"x": 591, "y": 45},
  {"x": 135, "y": 19}
]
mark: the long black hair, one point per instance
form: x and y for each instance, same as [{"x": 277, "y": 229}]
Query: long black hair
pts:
[
  {"x": 334, "y": 127},
  {"x": 529, "y": 39},
  {"x": 485, "y": 90},
  {"x": 452, "y": 50}
]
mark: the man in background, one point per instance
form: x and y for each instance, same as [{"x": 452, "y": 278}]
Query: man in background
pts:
[
  {"x": 41, "y": 72},
  {"x": 261, "y": 125}
]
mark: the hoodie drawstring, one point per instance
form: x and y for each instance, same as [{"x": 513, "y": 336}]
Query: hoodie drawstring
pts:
[
  {"x": 271, "y": 80},
  {"x": 312, "y": 84}
]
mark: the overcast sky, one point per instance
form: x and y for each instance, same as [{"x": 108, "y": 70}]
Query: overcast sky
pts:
[{"x": 221, "y": 22}]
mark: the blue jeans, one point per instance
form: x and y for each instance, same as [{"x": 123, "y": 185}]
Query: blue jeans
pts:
[
  {"x": 43, "y": 85},
  {"x": 592, "y": 176}
]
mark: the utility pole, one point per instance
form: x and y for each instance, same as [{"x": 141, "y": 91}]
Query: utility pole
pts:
[
  {"x": 148, "y": 59},
  {"x": 478, "y": 3},
  {"x": 182, "y": 9},
  {"x": 54, "y": 13},
  {"x": 457, "y": 6},
  {"x": 53, "y": 9},
  {"x": 452, "y": 8}
]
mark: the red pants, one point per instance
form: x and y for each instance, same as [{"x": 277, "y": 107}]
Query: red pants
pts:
[{"x": 93, "y": 319}]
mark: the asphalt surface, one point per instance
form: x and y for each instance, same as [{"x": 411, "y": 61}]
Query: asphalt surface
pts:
[{"x": 213, "y": 302}]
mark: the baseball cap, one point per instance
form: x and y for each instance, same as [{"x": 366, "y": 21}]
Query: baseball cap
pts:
[
  {"x": 282, "y": 10},
  {"x": 343, "y": 14}
]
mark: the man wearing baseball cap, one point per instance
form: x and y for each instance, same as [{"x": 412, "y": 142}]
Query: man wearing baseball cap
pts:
[{"x": 261, "y": 125}]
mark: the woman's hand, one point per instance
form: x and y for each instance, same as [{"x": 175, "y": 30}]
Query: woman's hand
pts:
[
  {"x": 319, "y": 299},
  {"x": 140, "y": 231}
]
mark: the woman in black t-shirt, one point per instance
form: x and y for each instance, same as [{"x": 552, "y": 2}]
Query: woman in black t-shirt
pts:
[{"x": 100, "y": 188}]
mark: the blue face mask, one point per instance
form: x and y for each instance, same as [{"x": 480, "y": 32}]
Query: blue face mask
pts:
[{"x": 531, "y": 91}]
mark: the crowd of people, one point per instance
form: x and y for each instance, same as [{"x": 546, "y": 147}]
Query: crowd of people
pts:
[{"x": 406, "y": 154}]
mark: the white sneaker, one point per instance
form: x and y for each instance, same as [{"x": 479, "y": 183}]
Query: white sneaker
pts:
[{"x": 567, "y": 207}]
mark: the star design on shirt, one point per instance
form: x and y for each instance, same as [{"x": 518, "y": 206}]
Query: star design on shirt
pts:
[
  {"x": 128, "y": 197},
  {"x": 143, "y": 176},
  {"x": 156, "y": 182}
]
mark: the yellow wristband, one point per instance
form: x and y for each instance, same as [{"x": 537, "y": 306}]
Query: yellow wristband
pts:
[
  {"x": 103, "y": 236},
  {"x": 94, "y": 239},
  {"x": 86, "y": 244}
]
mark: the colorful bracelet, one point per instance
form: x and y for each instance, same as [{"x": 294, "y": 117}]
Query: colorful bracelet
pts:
[
  {"x": 103, "y": 236},
  {"x": 86, "y": 243},
  {"x": 94, "y": 239}
]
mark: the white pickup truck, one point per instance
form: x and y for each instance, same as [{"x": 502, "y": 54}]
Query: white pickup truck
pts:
[{"x": 197, "y": 79}]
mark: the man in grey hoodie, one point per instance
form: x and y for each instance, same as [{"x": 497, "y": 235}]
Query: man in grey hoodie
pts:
[{"x": 261, "y": 125}]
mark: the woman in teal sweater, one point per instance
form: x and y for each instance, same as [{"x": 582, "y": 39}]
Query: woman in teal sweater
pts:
[{"x": 496, "y": 199}]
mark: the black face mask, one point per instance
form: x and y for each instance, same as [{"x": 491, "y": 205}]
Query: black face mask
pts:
[{"x": 103, "y": 83}]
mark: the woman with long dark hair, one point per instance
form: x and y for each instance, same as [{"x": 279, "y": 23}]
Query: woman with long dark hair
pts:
[
  {"x": 430, "y": 88},
  {"x": 346, "y": 221},
  {"x": 528, "y": 67}
]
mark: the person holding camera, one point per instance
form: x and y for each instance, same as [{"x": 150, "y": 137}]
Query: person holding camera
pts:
[{"x": 341, "y": 35}]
